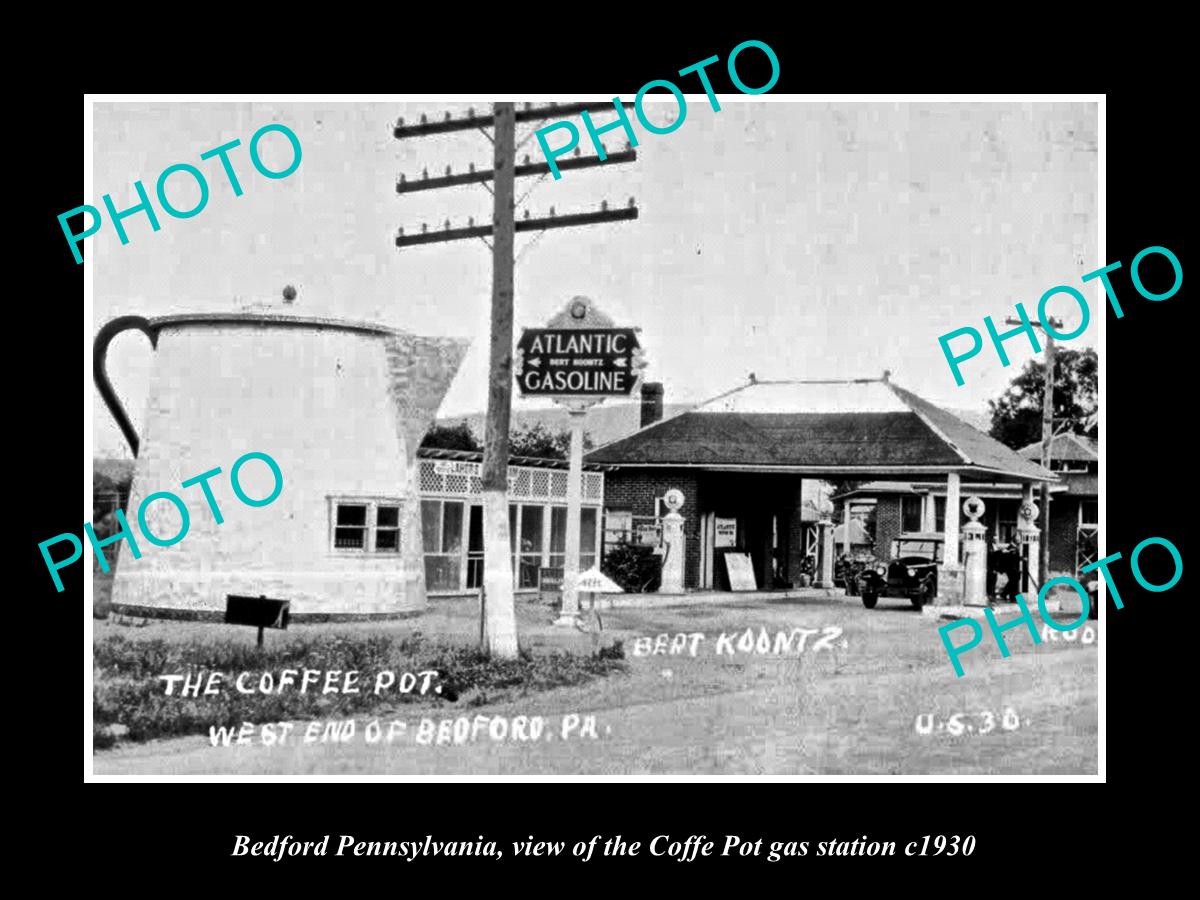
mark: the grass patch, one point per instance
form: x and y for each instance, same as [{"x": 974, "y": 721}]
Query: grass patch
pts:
[{"x": 129, "y": 697}]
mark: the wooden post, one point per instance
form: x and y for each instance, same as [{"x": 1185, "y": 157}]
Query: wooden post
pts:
[
  {"x": 1047, "y": 441},
  {"x": 499, "y": 615},
  {"x": 951, "y": 532},
  {"x": 1043, "y": 560},
  {"x": 825, "y": 569},
  {"x": 569, "y": 613}
]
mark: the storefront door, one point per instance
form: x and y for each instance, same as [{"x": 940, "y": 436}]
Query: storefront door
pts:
[
  {"x": 475, "y": 548},
  {"x": 745, "y": 533},
  {"x": 726, "y": 535}
]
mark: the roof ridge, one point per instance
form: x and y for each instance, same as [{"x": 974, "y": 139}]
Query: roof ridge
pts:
[
  {"x": 1082, "y": 441},
  {"x": 933, "y": 438},
  {"x": 687, "y": 409},
  {"x": 900, "y": 392},
  {"x": 816, "y": 381}
]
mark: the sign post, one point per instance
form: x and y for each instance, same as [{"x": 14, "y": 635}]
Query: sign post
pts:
[
  {"x": 569, "y": 613},
  {"x": 577, "y": 360},
  {"x": 260, "y": 612}
]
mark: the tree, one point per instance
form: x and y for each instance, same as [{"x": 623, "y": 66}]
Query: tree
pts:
[
  {"x": 1017, "y": 414},
  {"x": 535, "y": 439},
  {"x": 452, "y": 437}
]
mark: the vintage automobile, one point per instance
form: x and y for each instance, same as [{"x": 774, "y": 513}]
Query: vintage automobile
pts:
[{"x": 911, "y": 573}]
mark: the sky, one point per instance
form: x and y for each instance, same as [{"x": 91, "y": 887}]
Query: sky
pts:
[{"x": 786, "y": 239}]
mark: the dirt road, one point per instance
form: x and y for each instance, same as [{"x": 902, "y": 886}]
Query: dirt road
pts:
[{"x": 854, "y": 706}]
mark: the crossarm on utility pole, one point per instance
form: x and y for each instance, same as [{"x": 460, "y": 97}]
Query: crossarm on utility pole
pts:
[
  {"x": 542, "y": 224},
  {"x": 532, "y": 114},
  {"x": 404, "y": 186}
]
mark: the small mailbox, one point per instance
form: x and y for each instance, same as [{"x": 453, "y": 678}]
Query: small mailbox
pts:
[{"x": 259, "y": 612}]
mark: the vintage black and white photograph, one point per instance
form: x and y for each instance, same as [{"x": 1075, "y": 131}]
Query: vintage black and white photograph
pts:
[{"x": 731, "y": 436}]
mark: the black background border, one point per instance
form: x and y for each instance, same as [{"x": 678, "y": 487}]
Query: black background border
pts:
[{"x": 1017, "y": 825}]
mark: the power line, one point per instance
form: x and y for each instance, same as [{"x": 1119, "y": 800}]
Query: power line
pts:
[{"x": 528, "y": 114}]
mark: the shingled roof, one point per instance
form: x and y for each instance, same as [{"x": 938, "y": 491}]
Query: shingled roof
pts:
[
  {"x": 1068, "y": 447},
  {"x": 830, "y": 428}
]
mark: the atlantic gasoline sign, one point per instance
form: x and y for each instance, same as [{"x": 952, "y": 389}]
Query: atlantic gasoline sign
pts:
[{"x": 585, "y": 362}]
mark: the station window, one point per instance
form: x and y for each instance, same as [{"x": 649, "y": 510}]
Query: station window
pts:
[
  {"x": 387, "y": 529},
  {"x": 442, "y": 542},
  {"x": 366, "y": 526},
  {"x": 558, "y": 536},
  {"x": 587, "y": 537},
  {"x": 1068, "y": 466},
  {"x": 351, "y": 530},
  {"x": 529, "y": 557},
  {"x": 910, "y": 513},
  {"x": 452, "y": 542},
  {"x": 618, "y": 526},
  {"x": 1006, "y": 521}
]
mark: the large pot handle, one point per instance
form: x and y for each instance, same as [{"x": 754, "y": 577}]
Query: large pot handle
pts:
[{"x": 100, "y": 375}]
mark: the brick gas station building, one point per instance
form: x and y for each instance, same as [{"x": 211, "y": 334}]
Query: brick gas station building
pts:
[{"x": 742, "y": 460}]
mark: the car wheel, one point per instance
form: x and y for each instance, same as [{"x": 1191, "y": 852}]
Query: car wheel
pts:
[
  {"x": 924, "y": 594},
  {"x": 869, "y": 599}
]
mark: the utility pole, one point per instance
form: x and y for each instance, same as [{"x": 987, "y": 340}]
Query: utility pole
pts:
[
  {"x": 1047, "y": 441},
  {"x": 498, "y": 614}
]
